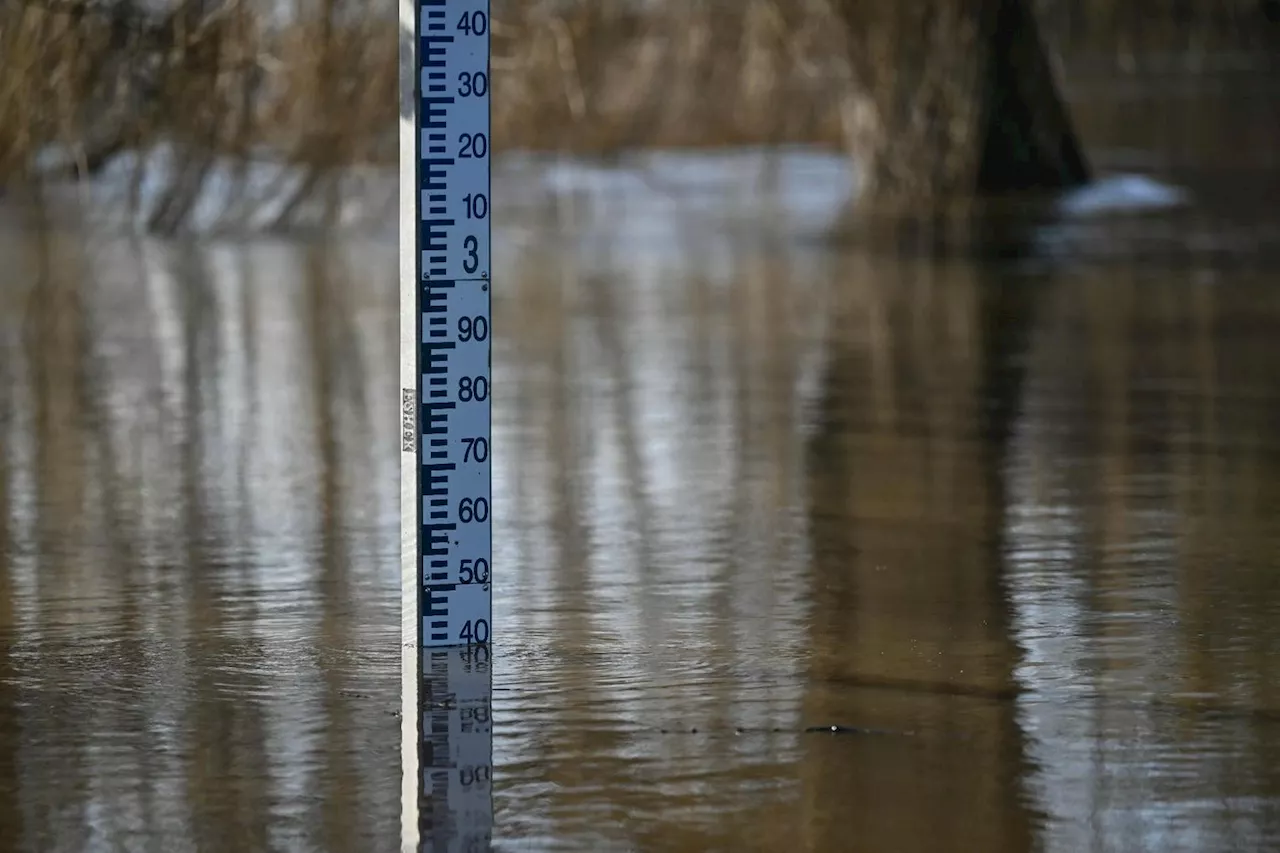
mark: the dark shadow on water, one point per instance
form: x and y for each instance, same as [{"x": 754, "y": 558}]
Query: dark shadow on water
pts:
[{"x": 911, "y": 627}]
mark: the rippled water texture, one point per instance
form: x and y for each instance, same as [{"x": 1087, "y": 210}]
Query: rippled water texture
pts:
[{"x": 1021, "y": 521}]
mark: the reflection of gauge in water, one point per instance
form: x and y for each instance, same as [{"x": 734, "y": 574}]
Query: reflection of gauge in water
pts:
[
  {"x": 455, "y": 752},
  {"x": 446, "y": 482}
]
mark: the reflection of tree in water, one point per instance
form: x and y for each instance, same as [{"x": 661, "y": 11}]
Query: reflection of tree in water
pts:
[
  {"x": 336, "y": 378},
  {"x": 911, "y": 617},
  {"x": 11, "y": 820},
  {"x": 53, "y": 344},
  {"x": 1147, "y": 459},
  {"x": 230, "y": 737},
  {"x": 655, "y": 430},
  {"x": 551, "y": 514},
  {"x": 1155, "y": 412},
  {"x": 153, "y": 676}
]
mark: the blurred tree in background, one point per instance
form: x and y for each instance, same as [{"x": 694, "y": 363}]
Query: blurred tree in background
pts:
[{"x": 314, "y": 83}]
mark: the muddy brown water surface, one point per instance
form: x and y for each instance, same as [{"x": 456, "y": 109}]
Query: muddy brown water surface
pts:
[{"x": 1022, "y": 519}]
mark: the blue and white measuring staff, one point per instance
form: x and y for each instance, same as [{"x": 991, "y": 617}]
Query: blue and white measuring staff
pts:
[
  {"x": 445, "y": 369},
  {"x": 446, "y": 353}
]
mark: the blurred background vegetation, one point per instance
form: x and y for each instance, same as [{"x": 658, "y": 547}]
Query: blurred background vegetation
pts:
[{"x": 313, "y": 83}]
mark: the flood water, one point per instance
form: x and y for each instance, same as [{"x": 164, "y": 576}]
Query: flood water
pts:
[{"x": 1012, "y": 528}]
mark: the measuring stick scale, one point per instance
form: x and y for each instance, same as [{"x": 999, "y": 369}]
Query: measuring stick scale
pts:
[{"x": 445, "y": 369}]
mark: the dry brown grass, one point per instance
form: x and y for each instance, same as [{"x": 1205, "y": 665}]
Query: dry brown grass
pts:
[
  {"x": 583, "y": 75},
  {"x": 93, "y": 82},
  {"x": 600, "y": 76}
]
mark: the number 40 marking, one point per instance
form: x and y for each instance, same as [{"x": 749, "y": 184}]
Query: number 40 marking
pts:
[{"x": 475, "y": 632}]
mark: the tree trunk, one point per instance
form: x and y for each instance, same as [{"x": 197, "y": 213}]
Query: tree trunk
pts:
[{"x": 954, "y": 99}]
